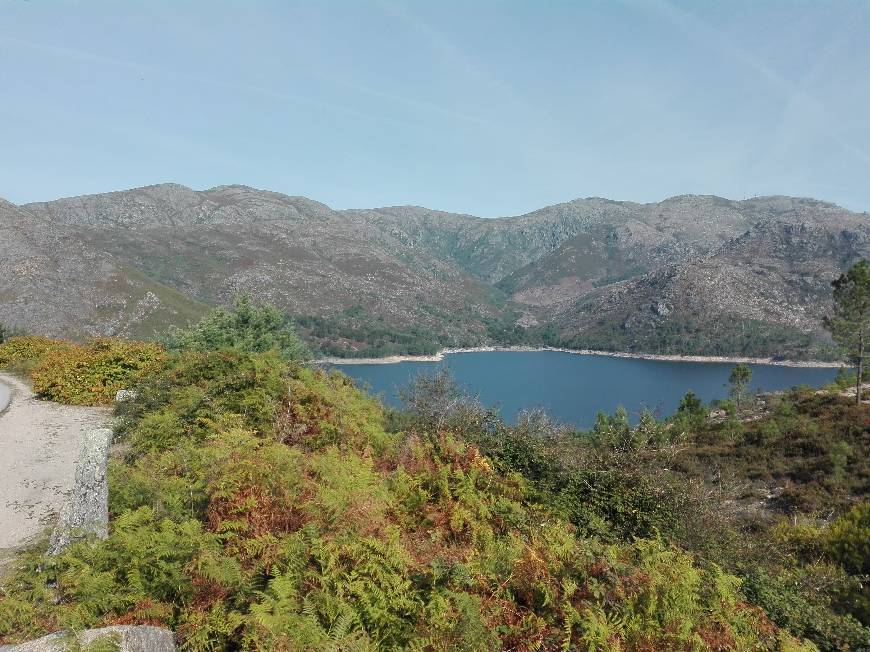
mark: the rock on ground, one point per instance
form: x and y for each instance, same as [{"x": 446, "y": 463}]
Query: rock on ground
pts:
[
  {"x": 124, "y": 395},
  {"x": 87, "y": 511},
  {"x": 127, "y": 638}
]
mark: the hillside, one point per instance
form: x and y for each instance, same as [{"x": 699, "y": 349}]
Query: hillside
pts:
[
  {"x": 692, "y": 271},
  {"x": 53, "y": 281},
  {"x": 625, "y": 240},
  {"x": 293, "y": 252},
  {"x": 761, "y": 292}
]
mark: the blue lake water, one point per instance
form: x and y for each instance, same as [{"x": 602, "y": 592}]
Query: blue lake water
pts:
[{"x": 573, "y": 388}]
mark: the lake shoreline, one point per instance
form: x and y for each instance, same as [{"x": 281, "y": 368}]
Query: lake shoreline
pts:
[{"x": 439, "y": 357}]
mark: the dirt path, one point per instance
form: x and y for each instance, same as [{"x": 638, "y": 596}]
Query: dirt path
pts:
[{"x": 39, "y": 445}]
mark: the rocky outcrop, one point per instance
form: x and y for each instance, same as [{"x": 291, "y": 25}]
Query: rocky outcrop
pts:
[
  {"x": 87, "y": 511},
  {"x": 126, "y": 638}
]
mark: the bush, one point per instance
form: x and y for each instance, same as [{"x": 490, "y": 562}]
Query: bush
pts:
[
  {"x": 848, "y": 539},
  {"x": 92, "y": 374},
  {"x": 80, "y": 374},
  {"x": 764, "y": 434},
  {"x": 246, "y": 328},
  {"x": 21, "y": 354},
  {"x": 137, "y": 575},
  {"x": 805, "y": 613},
  {"x": 845, "y": 379},
  {"x": 199, "y": 392},
  {"x": 691, "y": 414}
]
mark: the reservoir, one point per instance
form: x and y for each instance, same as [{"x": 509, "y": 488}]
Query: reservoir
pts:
[{"x": 573, "y": 388}]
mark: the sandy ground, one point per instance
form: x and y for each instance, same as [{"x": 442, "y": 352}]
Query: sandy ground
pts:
[
  {"x": 39, "y": 445},
  {"x": 438, "y": 357}
]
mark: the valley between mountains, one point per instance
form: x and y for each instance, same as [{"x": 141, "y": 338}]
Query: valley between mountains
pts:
[{"x": 694, "y": 275}]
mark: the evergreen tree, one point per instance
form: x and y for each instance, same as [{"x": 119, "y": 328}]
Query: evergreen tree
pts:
[
  {"x": 691, "y": 411},
  {"x": 248, "y": 328},
  {"x": 739, "y": 379},
  {"x": 850, "y": 322},
  {"x": 691, "y": 404}
]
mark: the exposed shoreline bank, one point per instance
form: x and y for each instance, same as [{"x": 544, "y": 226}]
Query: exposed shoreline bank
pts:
[{"x": 438, "y": 357}]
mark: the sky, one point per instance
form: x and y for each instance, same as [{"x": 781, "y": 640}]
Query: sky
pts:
[{"x": 483, "y": 107}]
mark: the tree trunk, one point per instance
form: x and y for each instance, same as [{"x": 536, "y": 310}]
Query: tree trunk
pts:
[{"x": 860, "y": 380}]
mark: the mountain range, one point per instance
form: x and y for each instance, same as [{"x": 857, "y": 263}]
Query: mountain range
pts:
[{"x": 691, "y": 274}]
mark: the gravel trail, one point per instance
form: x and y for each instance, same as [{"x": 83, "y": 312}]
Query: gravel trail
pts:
[{"x": 39, "y": 445}]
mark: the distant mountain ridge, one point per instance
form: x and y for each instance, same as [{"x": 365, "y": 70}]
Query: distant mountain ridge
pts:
[{"x": 691, "y": 274}]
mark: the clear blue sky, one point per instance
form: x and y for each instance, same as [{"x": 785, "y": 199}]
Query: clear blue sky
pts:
[{"x": 491, "y": 108}]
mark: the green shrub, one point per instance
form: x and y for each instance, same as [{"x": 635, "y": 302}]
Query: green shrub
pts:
[
  {"x": 806, "y": 614},
  {"x": 845, "y": 379},
  {"x": 691, "y": 414},
  {"x": 140, "y": 572},
  {"x": 326, "y": 409},
  {"x": 21, "y": 354},
  {"x": 764, "y": 434},
  {"x": 197, "y": 393},
  {"x": 848, "y": 539},
  {"x": 92, "y": 374},
  {"x": 246, "y": 328}
]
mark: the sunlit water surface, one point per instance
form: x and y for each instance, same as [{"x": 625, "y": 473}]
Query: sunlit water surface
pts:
[{"x": 573, "y": 388}]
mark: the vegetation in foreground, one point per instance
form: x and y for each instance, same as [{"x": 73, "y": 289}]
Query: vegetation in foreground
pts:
[
  {"x": 80, "y": 374},
  {"x": 258, "y": 503}
]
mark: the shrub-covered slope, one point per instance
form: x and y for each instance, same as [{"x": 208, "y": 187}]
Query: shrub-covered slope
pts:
[{"x": 259, "y": 504}]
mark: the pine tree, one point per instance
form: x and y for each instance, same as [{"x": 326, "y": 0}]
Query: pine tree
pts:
[
  {"x": 739, "y": 379},
  {"x": 850, "y": 322}
]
